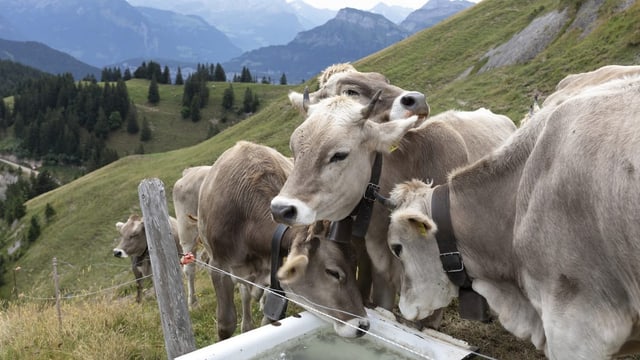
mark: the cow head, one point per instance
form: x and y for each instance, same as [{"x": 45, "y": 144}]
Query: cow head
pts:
[
  {"x": 320, "y": 273},
  {"x": 333, "y": 151},
  {"x": 344, "y": 79},
  {"x": 133, "y": 241},
  {"x": 411, "y": 238}
]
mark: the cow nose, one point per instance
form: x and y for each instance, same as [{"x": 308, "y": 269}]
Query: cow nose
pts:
[
  {"x": 362, "y": 329},
  {"x": 283, "y": 213},
  {"x": 415, "y": 102},
  {"x": 117, "y": 252}
]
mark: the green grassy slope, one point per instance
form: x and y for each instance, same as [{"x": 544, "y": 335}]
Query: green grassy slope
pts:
[{"x": 82, "y": 231}]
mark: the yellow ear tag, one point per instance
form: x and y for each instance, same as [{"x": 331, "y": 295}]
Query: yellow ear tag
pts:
[
  {"x": 423, "y": 229},
  {"x": 393, "y": 148}
]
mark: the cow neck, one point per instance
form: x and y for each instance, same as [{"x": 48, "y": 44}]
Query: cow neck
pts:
[
  {"x": 472, "y": 306},
  {"x": 365, "y": 208}
]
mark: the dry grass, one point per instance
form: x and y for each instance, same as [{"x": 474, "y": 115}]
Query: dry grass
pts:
[{"x": 102, "y": 328}]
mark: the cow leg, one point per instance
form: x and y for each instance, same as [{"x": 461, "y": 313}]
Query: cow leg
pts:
[
  {"x": 225, "y": 309},
  {"x": 571, "y": 336},
  {"x": 189, "y": 271},
  {"x": 245, "y": 297}
]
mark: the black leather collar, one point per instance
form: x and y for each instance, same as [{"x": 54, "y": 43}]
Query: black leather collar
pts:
[{"x": 472, "y": 305}]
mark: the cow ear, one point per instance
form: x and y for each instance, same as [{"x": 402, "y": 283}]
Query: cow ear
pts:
[
  {"x": 138, "y": 228},
  {"x": 386, "y": 135},
  {"x": 292, "y": 269},
  {"x": 418, "y": 221},
  {"x": 300, "y": 101}
]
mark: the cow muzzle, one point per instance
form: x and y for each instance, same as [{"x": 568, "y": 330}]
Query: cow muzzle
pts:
[
  {"x": 291, "y": 211},
  {"x": 119, "y": 253}
]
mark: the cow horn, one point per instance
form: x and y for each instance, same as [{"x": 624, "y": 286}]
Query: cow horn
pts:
[
  {"x": 305, "y": 99},
  {"x": 388, "y": 203},
  {"x": 366, "y": 112}
]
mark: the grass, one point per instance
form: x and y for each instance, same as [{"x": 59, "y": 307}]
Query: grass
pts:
[{"x": 81, "y": 233}]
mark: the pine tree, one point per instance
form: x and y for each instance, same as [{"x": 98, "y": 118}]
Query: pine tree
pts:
[
  {"x": 219, "y": 74},
  {"x": 102, "y": 125},
  {"x": 127, "y": 74},
  {"x": 179, "y": 79},
  {"x": 195, "y": 109},
  {"x": 283, "y": 79},
  {"x": 145, "y": 133},
  {"x": 132, "y": 122},
  {"x": 228, "y": 98},
  {"x": 247, "y": 103},
  {"x": 49, "y": 212},
  {"x": 166, "y": 76},
  {"x": 154, "y": 95}
]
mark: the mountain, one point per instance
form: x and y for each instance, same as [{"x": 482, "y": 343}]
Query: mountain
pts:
[
  {"x": 310, "y": 16},
  {"x": 394, "y": 13},
  {"x": 352, "y": 34},
  {"x": 101, "y": 32},
  {"x": 249, "y": 24},
  {"x": 432, "y": 13},
  {"x": 44, "y": 58}
]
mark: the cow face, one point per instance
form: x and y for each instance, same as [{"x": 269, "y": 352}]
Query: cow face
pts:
[
  {"x": 333, "y": 151},
  {"x": 133, "y": 241},
  {"x": 320, "y": 273},
  {"x": 343, "y": 79},
  {"x": 411, "y": 238}
]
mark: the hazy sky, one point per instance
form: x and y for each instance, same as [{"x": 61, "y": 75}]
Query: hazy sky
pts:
[{"x": 365, "y": 4}]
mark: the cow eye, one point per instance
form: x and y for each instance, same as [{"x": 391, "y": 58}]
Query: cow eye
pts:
[
  {"x": 339, "y": 156},
  {"x": 333, "y": 273},
  {"x": 351, "y": 92}
]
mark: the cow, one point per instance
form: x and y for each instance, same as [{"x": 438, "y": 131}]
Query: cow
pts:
[
  {"x": 185, "y": 201},
  {"x": 133, "y": 244},
  {"x": 334, "y": 150},
  {"x": 546, "y": 227},
  {"x": 317, "y": 268},
  {"x": 236, "y": 228},
  {"x": 393, "y": 103},
  {"x": 344, "y": 79}
]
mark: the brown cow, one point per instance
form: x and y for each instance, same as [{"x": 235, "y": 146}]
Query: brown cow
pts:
[
  {"x": 185, "y": 201},
  {"x": 133, "y": 244},
  {"x": 236, "y": 227},
  {"x": 316, "y": 269},
  {"x": 546, "y": 225},
  {"x": 334, "y": 150}
]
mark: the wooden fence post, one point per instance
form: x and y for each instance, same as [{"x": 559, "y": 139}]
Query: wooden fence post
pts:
[{"x": 165, "y": 265}]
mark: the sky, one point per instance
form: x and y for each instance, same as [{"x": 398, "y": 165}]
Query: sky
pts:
[{"x": 365, "y": 4}]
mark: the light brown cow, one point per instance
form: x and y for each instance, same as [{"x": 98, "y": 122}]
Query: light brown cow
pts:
[
  {"x": 185, "y": 201},
  {"x": 344, "y": 79},
  {"x": 236, "y": 227},
  {"x": 547, "y": 227},
  {"x": 133, "y": 244},
  {"x": 334, "y": 149},
  {"x": 317, "y": 268}
]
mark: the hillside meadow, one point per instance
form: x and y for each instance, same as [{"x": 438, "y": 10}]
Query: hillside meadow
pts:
[{"x": 81, "y": 234}]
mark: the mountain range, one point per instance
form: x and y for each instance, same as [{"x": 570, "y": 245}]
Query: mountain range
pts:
[{"x": 279, "y": 37}]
